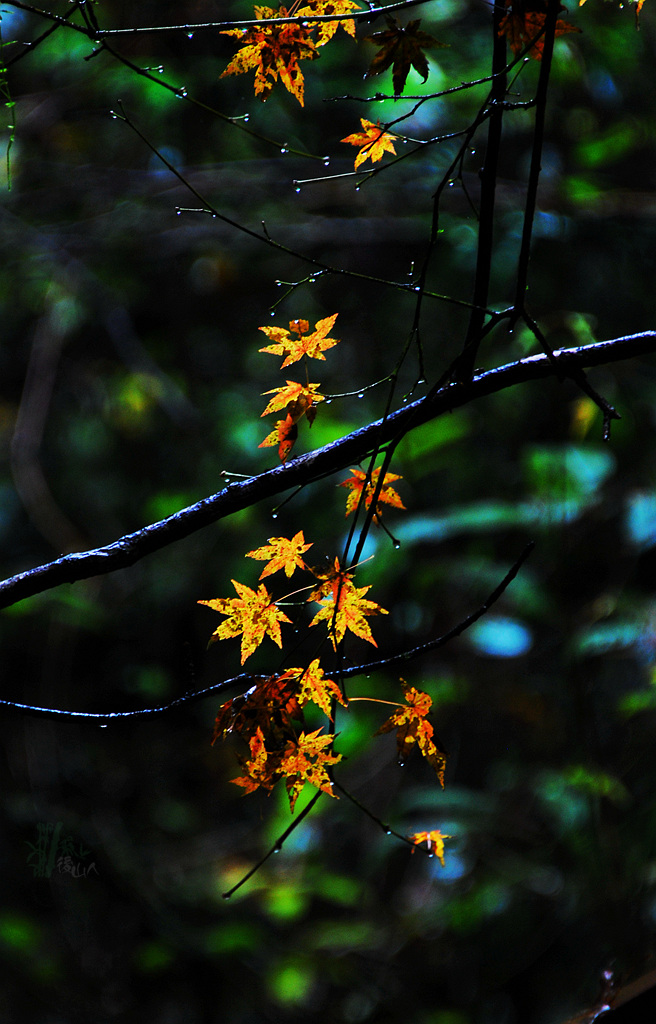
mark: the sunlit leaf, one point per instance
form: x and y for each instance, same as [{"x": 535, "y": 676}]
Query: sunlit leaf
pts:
[
  {"x": 357, "y": 482},
  {"x": 326, "y": 29},
  {"x": 311, "y": 345},
  {"x": 259, "y": 771},
  {"x": 308, "y": 760},
  {"x": 434, "y": 841},
  {"x": 413, "y": 729},
  {"x": 316, "y": 687},
  {"x": 273, "y": 51},
  {"x": 284, "y": 434},
  {"x": 372, "y": 142},
  {"x": 296, "y": 398},
  {"x": 282, "y": 553},
  {"x": 347, "y": 610},
  {"x": 253, "y": 615}
]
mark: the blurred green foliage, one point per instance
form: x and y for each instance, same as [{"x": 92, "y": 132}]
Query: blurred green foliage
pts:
[{"x": 130, "y": 382}]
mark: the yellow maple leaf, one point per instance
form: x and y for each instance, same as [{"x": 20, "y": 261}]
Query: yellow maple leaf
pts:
[
  {"x": 347, "y": 610},
  {"x": 273, "y": 51},
  {"x": 282, "y": 553},
  {"x": 253, "y": 615},
  {"x": 372, "y": 141},
  {"x": 315, "y": 686},
  {"x": 297, "y": 398},
  {"x": 311, "y": 345},
  {"x": 387, "y": 495},
  {"x": 434, "y": 841},
  {"x": 326, "y": 29},
  {"x": 306, "y": 760}
]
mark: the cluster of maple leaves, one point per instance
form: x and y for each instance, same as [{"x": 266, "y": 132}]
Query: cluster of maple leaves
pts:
[
  {"x": 275, "y": 51},
  {"x": 269, "y": 718}
]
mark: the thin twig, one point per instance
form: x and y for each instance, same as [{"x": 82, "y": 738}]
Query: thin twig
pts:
[{"x": 277, "y": 846}]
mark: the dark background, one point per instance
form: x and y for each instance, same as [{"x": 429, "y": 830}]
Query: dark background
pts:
[{"x": 130, "y": 379}]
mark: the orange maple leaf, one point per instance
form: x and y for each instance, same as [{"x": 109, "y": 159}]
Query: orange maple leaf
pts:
[
  {"x": 525, "y": 21},
  {"x": 261, "y": 769},
  {"x": 311, "y": 345},
  {"x": 326, "y": 29},
  {"x": 253, "y": 614},
  {"x": 434, "y": 841},
  {"x": 306, "y": 760},
  {"x": 373, "y": 142},
  {"x": 403, "y": 48},
  {"x": 313, "y": 685},
  {"x": 413, "y": 728},
  {"x": 274, "y": 51},
  {"x": 357, "y": 482},
  {"x": 284, "y": 435},
  {"x": 331, "y": 581},
  {"x": 297, "y": 398},
  {"x": 347, "y": 610},
  {"x": 282, "y": 553}
]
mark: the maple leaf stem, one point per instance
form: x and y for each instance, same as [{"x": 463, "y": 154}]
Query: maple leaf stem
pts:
[{"x": 376, "y": 700}]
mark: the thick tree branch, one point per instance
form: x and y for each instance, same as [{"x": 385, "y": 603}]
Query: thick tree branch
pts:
[{"x": 314, "y": 466}]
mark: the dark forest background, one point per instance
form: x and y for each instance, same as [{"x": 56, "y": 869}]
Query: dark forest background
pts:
[{"x": 130, "y": 379}]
